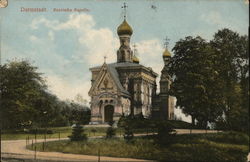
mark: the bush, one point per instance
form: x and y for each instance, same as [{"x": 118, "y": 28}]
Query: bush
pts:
[
  {"x": 110, "y": 131},
  {"x": 78, "y": 134},
  {"x": 128, "y": 134},
  {"x": 165, "y": 133}
]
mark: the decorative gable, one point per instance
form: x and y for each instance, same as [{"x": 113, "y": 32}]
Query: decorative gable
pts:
[{"x": 105, "y": 82}]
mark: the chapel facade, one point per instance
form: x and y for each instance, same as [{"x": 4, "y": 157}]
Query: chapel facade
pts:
[{"x": 127, "y": 87}]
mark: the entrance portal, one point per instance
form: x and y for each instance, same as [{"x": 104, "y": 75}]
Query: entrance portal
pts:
[{"x": 108, "y": 113}]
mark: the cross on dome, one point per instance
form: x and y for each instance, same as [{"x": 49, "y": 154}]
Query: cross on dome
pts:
[
  {"x": 105, "y": 57},
  {"x": 125, "y": 10},
  {"x": 166, "y": 53},
  {"x": 166, "y": 42}
]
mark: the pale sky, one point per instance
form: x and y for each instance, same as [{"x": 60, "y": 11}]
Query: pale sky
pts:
[{"x": 64, "y": 45}]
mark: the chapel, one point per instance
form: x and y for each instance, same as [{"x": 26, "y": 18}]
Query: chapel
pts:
[{"x": 127, "y": 87}]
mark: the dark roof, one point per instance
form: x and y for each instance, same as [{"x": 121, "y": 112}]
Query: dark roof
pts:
[
  {"x": 126, "y": 64},
  {"x": 115, "y": 76}
]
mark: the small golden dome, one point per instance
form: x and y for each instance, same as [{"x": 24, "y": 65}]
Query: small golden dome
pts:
[
  {"x": 124, "y": 28},
  {"x": 135, "y": 59},
  {"x": 166, "y": 53}
]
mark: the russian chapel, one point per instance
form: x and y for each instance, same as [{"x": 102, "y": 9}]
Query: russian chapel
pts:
[{"x": 127, "y": 87}]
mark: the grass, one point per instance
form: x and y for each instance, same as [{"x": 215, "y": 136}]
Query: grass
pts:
[
  {"x": 209, "y": 147},
  {"x": 66, "y": 131},
  {"x": 63, "y": 131}
]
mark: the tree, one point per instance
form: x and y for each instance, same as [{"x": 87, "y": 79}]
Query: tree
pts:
[
  {"x": 78, "y": 133},
  {"x": 20, "y": 86},
  {"x": 126, "y": 122},
  {"x": 232, "y": 51},
  {"x": 79, "y": 114},
  {"x": 211, "y": 79},
  {"x": 26, "y": 101},
  {"x": 196, "y": 85},
  {"x": 80, "y": 99}
]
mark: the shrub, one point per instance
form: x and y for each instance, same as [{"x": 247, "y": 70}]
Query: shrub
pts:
[
  {"x": 78, "y": 134},
  {"x": 110, "y": 131},
  {"x": 122, "y": 121},
  {"x": 165, "y": 133},
  {"x": 128, "y": 134}
]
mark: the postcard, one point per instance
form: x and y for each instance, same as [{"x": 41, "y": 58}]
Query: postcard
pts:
[{"x": 131, "y": 80}]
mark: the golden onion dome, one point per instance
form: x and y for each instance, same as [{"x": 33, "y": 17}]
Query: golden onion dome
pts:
[
  {"x": 124, "y": 28},
  {"x": 166, "y": 53},
  {"x": 135, "y": 59}
]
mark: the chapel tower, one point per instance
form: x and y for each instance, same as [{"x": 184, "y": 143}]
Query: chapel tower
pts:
[
  {"x": 166, "y": 101},
  {"x": 124, "y": 31},
  {"x": 165, "y": 78},
  {"x": 124, "y": 53}
]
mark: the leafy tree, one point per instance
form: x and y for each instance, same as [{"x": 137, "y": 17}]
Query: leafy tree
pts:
[
  {"x": 233, "y": 66},
  {"x": 20, "y": 86},
  {"x": 196, "y": 84},
  {"x": 26, "y": 101},
  {"x": 211, "y": 79},
  {"x": 79, "y": 114}
]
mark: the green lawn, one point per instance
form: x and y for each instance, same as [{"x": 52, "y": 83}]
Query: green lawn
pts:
[
  {"x": 66, "y": 131},
  {"x": 209, "y": 147},
  {"x": 63, "y": 132}
]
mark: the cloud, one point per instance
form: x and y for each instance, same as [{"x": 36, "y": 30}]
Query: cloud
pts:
[
  {"x": 77, "y": 21},
  {"x": 150, "y": 54},
  {"x": 99, "y": 43},
  {"x": 66, "y": 89},
  {"x": 94, "y": 43}
]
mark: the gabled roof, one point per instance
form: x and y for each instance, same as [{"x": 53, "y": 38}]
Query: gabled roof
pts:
[{"x": 114, "y": 75}]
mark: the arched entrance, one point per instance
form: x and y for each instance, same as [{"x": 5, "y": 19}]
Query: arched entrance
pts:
[{"x": 108, "y": 113}]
